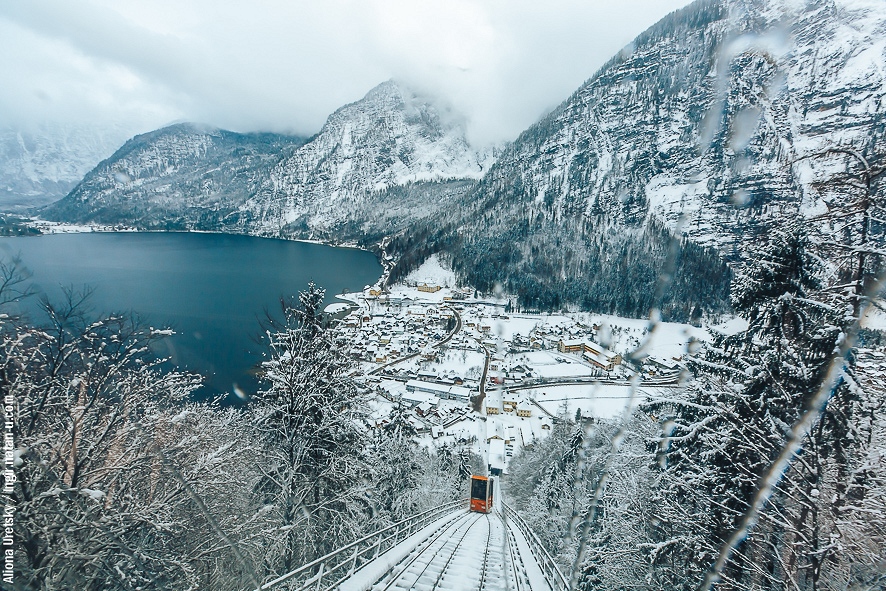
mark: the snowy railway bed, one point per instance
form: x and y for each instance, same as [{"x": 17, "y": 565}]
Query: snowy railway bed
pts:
[
  {"x": 475, "y": 551},
  {"x": 443, "y": 561},
  {"x": 458, "y": 551}
]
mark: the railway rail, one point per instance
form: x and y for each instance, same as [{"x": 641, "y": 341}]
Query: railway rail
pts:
[{"x": 449, "y": 548}]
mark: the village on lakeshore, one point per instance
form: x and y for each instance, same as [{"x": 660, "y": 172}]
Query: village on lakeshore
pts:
[{"x": 469, "y": 371}]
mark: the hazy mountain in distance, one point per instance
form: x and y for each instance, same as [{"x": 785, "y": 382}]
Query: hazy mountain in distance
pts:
[{"x": 41, "y": 164}]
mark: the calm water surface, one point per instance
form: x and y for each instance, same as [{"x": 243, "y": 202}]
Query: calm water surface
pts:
[{"x": 212, "y": 289}]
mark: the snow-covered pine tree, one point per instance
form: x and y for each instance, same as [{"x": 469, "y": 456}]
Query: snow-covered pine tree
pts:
[
  {"x": 407, "y": 477},
  {"x": 683, "y": 510},
  {"x": 849, "y": 184},
  {"x": 752, "y": 387},
  {"x": 308, "y": 424},
  {"x": 540, "y": 487},
  {"x": 398, "y": 468},
  {"x": 848, "y": 181},
  {"x": 398, "y": 426},
  {"x": 552, "y": 483}
]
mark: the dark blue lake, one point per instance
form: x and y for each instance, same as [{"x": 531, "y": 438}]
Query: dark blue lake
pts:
[{"x": 212, "y": 289}]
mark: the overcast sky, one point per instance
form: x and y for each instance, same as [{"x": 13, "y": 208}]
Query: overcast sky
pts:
[{"x": 285, "y": 65}]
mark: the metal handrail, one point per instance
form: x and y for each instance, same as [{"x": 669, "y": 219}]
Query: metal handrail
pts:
[
  {"x": 329, "y": 571},
  {"x": 549, "y": 568}
]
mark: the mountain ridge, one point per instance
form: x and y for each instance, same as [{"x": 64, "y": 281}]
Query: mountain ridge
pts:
[
  {"x": 390, "y": 139},
  {"x": 701, "y": 126},
  {"x": 179, "y": 177},
  {"x": 708, "y": 128}
]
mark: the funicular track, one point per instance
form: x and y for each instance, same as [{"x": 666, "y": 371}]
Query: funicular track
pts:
[
  {"x": 485, "y": 568},
  {"x": 447, "y": 549},
  {"x": 476, "y": 552},
  {"x": 442, "y": 548}
]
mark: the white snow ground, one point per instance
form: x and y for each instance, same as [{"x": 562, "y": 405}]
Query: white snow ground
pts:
[{"x": 457, "y": 552}]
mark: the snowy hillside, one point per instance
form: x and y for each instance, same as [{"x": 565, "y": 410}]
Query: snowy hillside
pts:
[
  {"x": 712, "y": 123},
  {"x": 179, "y": 177},
  {"x": 392, "y": 137},
  {"x": 705, "y": 113},
  {"x": 391, "y": 154}
]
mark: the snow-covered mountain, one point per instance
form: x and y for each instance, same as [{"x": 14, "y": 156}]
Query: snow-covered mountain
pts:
[
  {"x": 713, "y": 122},
  {"x": 385, "y": 147},
  {"x": 390, "y": 138},
  {"x": 42, "y": 164},
  {"x": 184, "y": 176}
]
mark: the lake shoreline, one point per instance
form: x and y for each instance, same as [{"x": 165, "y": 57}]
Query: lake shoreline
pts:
[
  {"x": 48, "y": 228},
  {"x": 212, "y": 288}
]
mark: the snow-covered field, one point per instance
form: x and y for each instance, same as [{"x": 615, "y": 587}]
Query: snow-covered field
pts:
[
  {"x": 603, "y": 401},
  {"x": 432, "y": 271}
]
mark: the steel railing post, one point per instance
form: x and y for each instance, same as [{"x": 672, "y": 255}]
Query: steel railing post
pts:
[
  {"x": 377, "y": 547},
  {"x": 354, "y": 560}
]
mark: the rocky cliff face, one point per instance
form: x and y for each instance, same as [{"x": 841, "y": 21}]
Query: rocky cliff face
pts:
[
  {"x": 706, "y": 115},
  {"x": 712, "y": 122}
]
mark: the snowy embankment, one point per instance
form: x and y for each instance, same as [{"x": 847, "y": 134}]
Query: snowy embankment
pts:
[{"x": 432, "y": 271}]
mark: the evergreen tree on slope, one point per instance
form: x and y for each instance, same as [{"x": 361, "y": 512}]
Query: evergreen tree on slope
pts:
[
  {"x": 752, "y": 387},
  {"x": 308, "y": 424}
]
